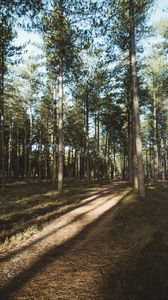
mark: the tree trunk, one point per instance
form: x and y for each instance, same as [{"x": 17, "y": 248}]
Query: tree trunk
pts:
[
  {"x": 97, "y": 131},
  {"x": 25, "y": 153},
  {"x": 134, "y": 157},
  {"x": 54, "y": 173},
  {"x": 130, "y": 172},
  {"x": 86, "y": 175},
  {"x": 124, "y": 160},
  {"x": 163, "y": 160},
  {"x": 138, "y": 142},
  {"x": 17, "y": 154},
  {"x": 114, "y": 161},
  {"x": 79, "y": 164},
  {"x": 76, "y": 164},
  {"x": 155, "y": 146},
  {"x": 109, "y": 163},
  {"x": 40, "y": 159},
  {"x": 30, "y": 143},
  {"x": 46, "y": 153},
  {"x": 69, "y": 163},
  {"x": 10, "y": 150},
  {"x": 60, "y": 131},
  {"x": 147, "y": 164},
  {"x": 2, "y": 123}
]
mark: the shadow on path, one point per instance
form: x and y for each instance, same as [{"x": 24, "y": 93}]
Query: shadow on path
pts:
[
  {"x": 51, "y": 255},
  {"x": 84, "y": 201},
  {"x": 36, "y": 216},
  {"x": 141, "y": 278}
]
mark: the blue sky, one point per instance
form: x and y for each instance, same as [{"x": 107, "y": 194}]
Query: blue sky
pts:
[{"x": 160, "y": 11}]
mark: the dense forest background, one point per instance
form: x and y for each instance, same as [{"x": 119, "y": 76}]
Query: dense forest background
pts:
[{"x": 73, "y": 110}]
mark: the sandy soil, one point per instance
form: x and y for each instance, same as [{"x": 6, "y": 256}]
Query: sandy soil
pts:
[{"x": 69, "y": 257}]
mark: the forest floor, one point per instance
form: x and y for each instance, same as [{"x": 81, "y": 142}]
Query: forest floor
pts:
[{"x": 100, "y": 242}]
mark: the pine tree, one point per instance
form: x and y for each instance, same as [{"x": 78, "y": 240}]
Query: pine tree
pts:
[
  {"x": 6, "y": 50},
  {"x": 130, "y": 17},
  {"x": 59, "y": 39}
]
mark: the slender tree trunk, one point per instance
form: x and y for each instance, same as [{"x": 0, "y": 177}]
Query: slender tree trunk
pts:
[
  {"x": 46, "y": 154},
  {"x": 2, "y": 123},
  {"x": 40, "y": 159},
  {"x": 60, "y": 131},
  {"x": 87, "y": 138},
  {"x": 134, "y": 158},
  {"x": 25, "y": 153},
  {"x": 107, "y": 155},
  {"x": 138, "y": 142},
  {"x": 134, "y": 163},
  {"x": 79, "y": 164},
  {"x": 166, "y": 157},
  {"x": 69, "y": 163},
  {"x": 155, "y": 146},
  {"x": 147, "y": 164},
  {"x": 22, "y": 157},
  {"x": 17, "y": 153},
  {"x": 46, "y": 161},
  {"x": 82, "y": 164},
  {"x": 130, "y": 154},
  {"x": 10, "y": 150},
  {"x": 114, "y": 160},
  {"x": 76, "y": 164},
  {"x": 97, "y": 131},
  {"x": 150, "y": 161},
  {"x": 163, "y": 159},
  {"x": 109, "y": 163},
  {"x": 124, "y": 160},
  {"x": 54, "y": 173},
  {"x": 30, "y": 143}
]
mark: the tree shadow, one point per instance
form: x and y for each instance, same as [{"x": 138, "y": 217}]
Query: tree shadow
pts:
[
  {"x": 144, "y": 277},
  {"x": 48, "y": 210},
  {"x": 74, "y": 219},
  {"x": 53, "y": 254}
]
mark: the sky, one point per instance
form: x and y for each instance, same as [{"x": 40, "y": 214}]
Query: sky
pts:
[{"x": 160, "y": 11}]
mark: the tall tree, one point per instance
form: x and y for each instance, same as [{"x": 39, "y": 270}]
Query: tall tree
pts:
[
  {"x": 6, "y": 50},
  {"x": 59, "y": 41},
  {"x": 130, "y": 17},
  {"x": 30, "y": 88},
  {"x": 134, "y": 89}
]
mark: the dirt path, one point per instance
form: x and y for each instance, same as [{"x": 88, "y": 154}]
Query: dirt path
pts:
[{"x": 65, "y": 260}]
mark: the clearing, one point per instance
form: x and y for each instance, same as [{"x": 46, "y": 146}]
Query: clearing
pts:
[{"x": 105, "y": 245}]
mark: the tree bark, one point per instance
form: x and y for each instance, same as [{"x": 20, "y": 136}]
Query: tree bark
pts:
[
  {"x": 138, "y": 142},
  {"x": 25, "y": 153},
  {"x": 76, "y": 164},
  {"x": 30, "y": 143},
  {"x": 40, "y": 159},
  {"x": 54, "y": 173},
  {"x": 17, "y": 153},
  {"x": 2, "y": 123},
  {"x": 46, "y": 154},
  {"x": 86, "y": 175},
  {"x": 79, "y": 165},
  {"x": 130, "y": 172},
  {"x": 10, "y": 150},
  {"x": 60, "y": 130},
  {"x": 155, "y": 146},
  {"x": 46, "y": 161}
]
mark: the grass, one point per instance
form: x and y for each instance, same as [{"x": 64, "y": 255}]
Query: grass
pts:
[
  {"x": 26, "y": 208},
  {"x": 138, "y": 243}
]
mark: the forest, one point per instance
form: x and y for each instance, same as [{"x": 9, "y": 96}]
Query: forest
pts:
[
  {"x": 83, "y": 115},
  {"x": 73, "y": 111}
]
